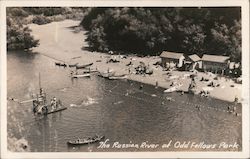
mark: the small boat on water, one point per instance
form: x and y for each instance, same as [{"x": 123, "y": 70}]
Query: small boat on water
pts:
[
  {"x": 173, "y": 89},
  {"x": 57, "y": 63},
  {"x": 90, "y": 71},
  {"x": 81, "y": 75},
  {"x": 115, "y": 77},
  {"x": 76, "y": 57},
  {"x": 73, "y": 65},
  {"x": 84, "y": 141},
  {"x": 84, "y": 66},
  {"x": 42, "y": 108},
  {"x": 60, "y": 64},
  {"x": 57, "y": 110},
  {"x": 106, "y": 74}
]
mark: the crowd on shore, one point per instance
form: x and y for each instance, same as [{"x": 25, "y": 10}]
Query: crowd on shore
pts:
[{"x": 148, "y": 70}]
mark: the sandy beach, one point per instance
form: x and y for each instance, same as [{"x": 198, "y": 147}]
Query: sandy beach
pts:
[{"x": 69, "y": 47}]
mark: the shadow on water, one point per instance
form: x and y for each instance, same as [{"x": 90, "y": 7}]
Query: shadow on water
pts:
[{"x": 23, "y": 55}]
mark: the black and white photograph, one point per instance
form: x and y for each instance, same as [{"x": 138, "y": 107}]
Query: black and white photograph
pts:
[{"x": 88, "y": 79}]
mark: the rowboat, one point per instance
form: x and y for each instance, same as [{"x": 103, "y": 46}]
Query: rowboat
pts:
[
  {"x": 57, "y": 63},
  {"x": 60, "y": 64},
  {"x": 173, "y": 89},
  {"x": 83, "y": 66},
  {"x": 57, "y": 110},
  {"x": 81, "y": 75},
  {"x": 73, "y": 65},
  {"x": 115, "y": 77},
  {"x": 106, "y": 74},
  {"x": 42, "y": 108},
  {"x": 85, "y": 140},
  {"x": 76, "y": 57},
  {"x": 46, "y": 109},
  {"x": 90, "y": 71},
  {"x": 169, "y": 90}
]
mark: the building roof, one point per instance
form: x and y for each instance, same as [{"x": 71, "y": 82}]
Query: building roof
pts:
[
  {"x": 194, "y": 57},
  {"x": 215, "y": 58},
  {"x": 171, "y": 55}
]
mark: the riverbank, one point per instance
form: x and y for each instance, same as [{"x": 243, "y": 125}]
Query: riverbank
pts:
[{"x": 69, "y": 47}]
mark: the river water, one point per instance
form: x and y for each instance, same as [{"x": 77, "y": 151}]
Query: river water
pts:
[{"x": 120, "y": 110}]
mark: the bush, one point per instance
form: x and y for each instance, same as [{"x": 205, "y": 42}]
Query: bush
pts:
[
  {"x": 40, "y": 20},
  {"x": 56, "y": 18},
  {"x": 17, "y": 12},
  {"x": 19, "y": 37}
]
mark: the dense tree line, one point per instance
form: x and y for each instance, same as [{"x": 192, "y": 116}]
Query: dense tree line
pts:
[{"x": 148, "y": 31}]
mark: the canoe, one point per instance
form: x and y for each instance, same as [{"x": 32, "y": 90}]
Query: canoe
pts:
[
  {"x": 83, "y": 66},
  {"x": 57, "y": 63},
  {"x": 60, "y": 64},
  {"x": 63, "y": 64},
  {"x": 81, "y": 75},
  {"x": 41, "y": 110},
  {"x": 169, "y": 90},
  {"x": 173, "y": 89},
  {"x": 73, "y": 65},
  {"x": 76, "y": 57},
  {"x": 90, "y": 71},
  {"x": 85, "y": 140},
  {"x": 118, "y": 77},
  {"x": 57, "y": 110},
  {"x": 106, "y": 75}
]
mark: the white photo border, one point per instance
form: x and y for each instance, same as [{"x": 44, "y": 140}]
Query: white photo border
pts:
[{"x": 244, "y": 4}]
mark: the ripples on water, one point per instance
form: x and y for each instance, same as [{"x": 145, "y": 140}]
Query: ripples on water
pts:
[{"x": 117, "y": 109}]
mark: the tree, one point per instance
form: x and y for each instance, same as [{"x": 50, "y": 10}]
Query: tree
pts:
[
  {"x": 19, "y": 37},
  {"x": 149, "y": 31},
  {"x": 227, "y": 40}
]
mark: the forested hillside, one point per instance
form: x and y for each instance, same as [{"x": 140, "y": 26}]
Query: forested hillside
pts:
[{"x": 148, "y": 31}]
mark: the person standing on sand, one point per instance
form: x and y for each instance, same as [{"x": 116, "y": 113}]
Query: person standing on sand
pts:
[
  {"x": 156, "y": 84},
  {"x": 141, "y": 86}
]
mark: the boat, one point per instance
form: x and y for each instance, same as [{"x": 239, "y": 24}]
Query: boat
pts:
[
  {"x": 60, "y": 64},
  {"x": 76, "y": 57},
  {"x": 57, "y": 110},
  {"x": 90, "y": 71},
  {"x": 84, "y": 66},
  {"x": 173, "y": 89},
  {"x": 42, "y": 107},
  {"x": 73, "y": 65},
  {"x": 63, "y": 64},
  {"x": 85, "y": 141},
  {"x": 57, "y": 63},
  {"x": 80, "y": 75},
  {"x": 106, "y": 74},
  {"x": 115, "y": 77}
]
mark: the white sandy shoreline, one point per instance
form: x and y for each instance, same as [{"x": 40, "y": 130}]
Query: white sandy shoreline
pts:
[{"x": 56, "y": 37}]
